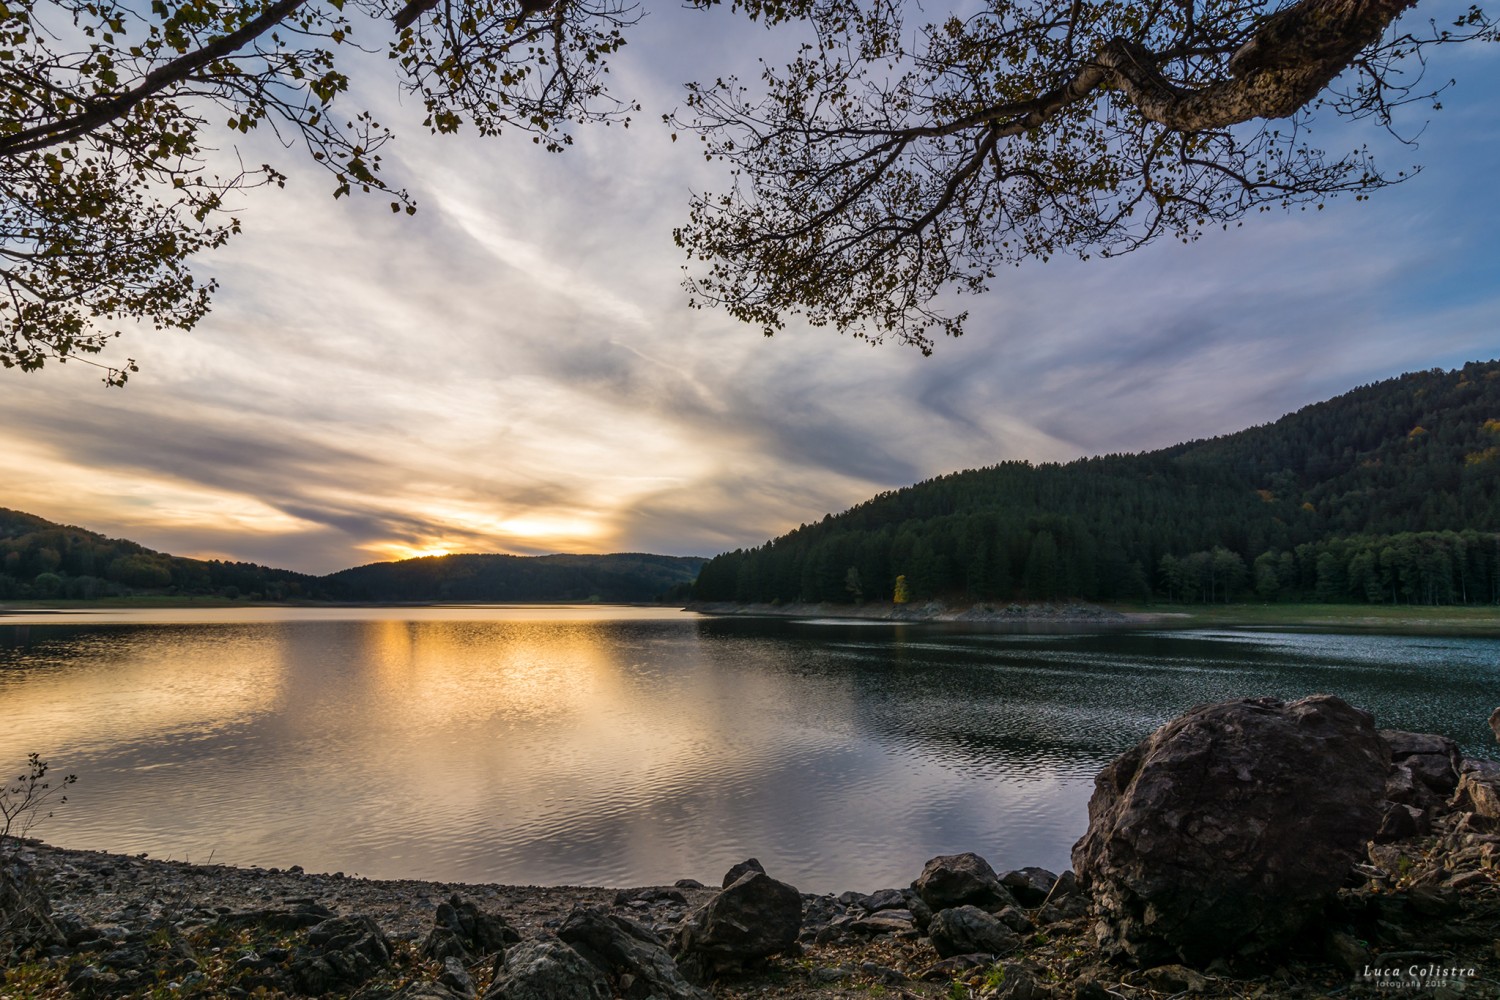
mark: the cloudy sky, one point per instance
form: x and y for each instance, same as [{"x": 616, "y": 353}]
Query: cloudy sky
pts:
[{"x": 515, "y": 368}]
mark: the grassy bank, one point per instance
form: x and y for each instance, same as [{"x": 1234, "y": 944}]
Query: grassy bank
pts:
[{"x": 1395, "y": 619}]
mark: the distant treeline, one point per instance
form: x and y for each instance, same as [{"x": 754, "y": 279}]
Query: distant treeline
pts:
[
  {"x": 623, "y": 577},
  {"x": 40, "y": 560},
  {"x": 1389, "y": 493}
]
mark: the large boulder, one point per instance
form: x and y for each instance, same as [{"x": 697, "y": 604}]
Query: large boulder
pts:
[
  {"x": 463, "y": 931},
  {"x": 754, "y": 918},
  {"x": 966, "y": 930},
  {"x": 961, "y": 880},
  {"x": 1227, "y": 830},
  {"x": 341, "y": 953},
  {"x": 740, "y": 870},
  {"x": 1495, "y": 724},
  {"x": 547, "y": 970},
  {"x": 623, "y": 948}
]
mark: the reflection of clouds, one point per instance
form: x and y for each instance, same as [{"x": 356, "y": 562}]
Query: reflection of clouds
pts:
[
  {"x": 85, "y": 691},
  {"x": 612, "y": 746},
  {"x": 566, "y": 748},
  {"x": 520, "y": 350}
]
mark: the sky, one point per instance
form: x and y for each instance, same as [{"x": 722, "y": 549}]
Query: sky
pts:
[{"x": 515, "y": 368}]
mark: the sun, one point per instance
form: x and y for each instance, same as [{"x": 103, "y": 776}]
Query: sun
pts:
[{"x": 396, "y": 550}]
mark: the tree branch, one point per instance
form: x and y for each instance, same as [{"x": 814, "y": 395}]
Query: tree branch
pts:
[{"x": 179, "y": 69}]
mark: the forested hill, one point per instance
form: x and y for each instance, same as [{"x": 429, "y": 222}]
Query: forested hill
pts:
[
  {"x": 627, "y": 577},
  {"x": 41, "y": 560},
  {"x": 1387, "y": 493}
]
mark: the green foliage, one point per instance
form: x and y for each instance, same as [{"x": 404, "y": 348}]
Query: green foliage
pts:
[
  {"x": 1337, "y": 502},
  {"x": 894, "y": 160},
  {"x": 888, "y": 162},
  {"x": 112, "y": 111},
  {"x": 39, "y": 559}
]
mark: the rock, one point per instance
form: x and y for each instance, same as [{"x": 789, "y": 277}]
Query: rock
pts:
[
  {"x": 1478, "y": 790},
  {"x": 649, "y": 894},
  {"x": 1469, "y": 879},
  {"x": 1495, "y": 724},
  {"x": 1023, "y": 984},
  {"x": 921, "y": 913},
  {"x": 689, "y": 883},
  {"x": 956, "y": 965},
  {"x": 547, "y": 970},
  {"x": 1345, "y": 951},
  {"x": 621, "y": 947},
  {"x": 428, "y": 991},
  {"x": 1401, "y": 822},
  {"x": 963, "y": 930},
  {"x": 883, "y": 973},
  {"x": 1016, "y": 919},
  {"x": 1066, "y": 901},
  {"x": 127, "y": 958},
  {"x": 884, "y": 899},
  {"x": 462, "y": 931},
  {"x": 89, "y": 980},
  {"x": 1030, "y": 886},
  {"x": 817, "y": 913},
  {"x": 341, "y": 953},
  {"x": 456, "y": 978},
  {"x": 754, "y": 918},
  {"x": 1228, "y": 829},
  {"x": 1089, "y": 988},
  {"x": 1424, "y": 768},
  {"x": 1403, "y": 787},
  {"x": 884, "y": 922},
  {"x": 961, "y": 879},
  {"x": 303, "y": 913},
  {"x": 740, "y": 870},
  {"x": 1175, "y": 979}
]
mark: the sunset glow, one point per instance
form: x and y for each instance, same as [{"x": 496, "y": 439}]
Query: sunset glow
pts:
[{"x": 515, "y": 369}]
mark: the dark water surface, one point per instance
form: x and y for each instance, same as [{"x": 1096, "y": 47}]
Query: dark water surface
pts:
[{"x": 618, "y": 746}]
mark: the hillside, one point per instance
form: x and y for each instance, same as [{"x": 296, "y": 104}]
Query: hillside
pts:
[
  {"x": 43, "y": 560},
  {"x": 622, "y": 577},
  {"x": 1388, "y": 493},
  {"x": 40, "y": 559}
]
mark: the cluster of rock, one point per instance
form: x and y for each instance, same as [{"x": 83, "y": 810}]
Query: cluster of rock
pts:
[
  {"x": 1230, "y": 831},
  {"x": 142, "y": 950},
  {"x": 969, "y": 915}
]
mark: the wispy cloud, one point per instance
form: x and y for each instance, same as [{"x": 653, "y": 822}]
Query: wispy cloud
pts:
[{"x": 515, "y": 369}]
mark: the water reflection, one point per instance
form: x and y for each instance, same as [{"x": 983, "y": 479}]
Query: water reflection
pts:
[{"x": 615, "y": 746}]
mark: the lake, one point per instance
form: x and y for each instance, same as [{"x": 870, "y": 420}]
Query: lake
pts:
[{"x": 632, "y": 746}]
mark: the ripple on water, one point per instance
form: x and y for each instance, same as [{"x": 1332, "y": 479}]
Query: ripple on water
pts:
[{"x": 584, "y": 748}]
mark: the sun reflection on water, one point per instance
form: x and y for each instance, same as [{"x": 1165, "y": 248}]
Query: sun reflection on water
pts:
[{"x": 627, "y": 746}]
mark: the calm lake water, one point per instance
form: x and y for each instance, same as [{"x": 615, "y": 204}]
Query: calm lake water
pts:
[{"x": 623, "y": 746}]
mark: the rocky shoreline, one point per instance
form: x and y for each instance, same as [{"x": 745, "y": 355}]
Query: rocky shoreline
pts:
[
  {"x": 1417, "y": 914},
  {"x": 1040, "y": 614}
]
